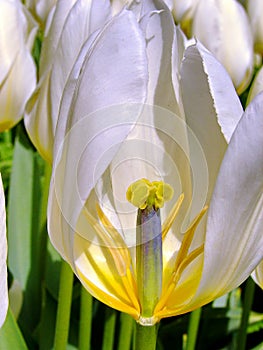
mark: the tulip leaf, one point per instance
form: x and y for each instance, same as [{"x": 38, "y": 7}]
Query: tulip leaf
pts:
[
  {"x": 23, "y": 232},
  {"x": 10, "y": 335}
]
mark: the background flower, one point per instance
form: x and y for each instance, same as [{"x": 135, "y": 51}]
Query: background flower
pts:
[
  {"x": 17, "y": 72},
  {"x": 72, "y": 23}
]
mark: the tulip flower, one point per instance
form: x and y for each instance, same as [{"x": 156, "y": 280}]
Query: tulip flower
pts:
[
  {"x": 223, "y": 27},
  {"x": 3, "y": 257},
  {"x": 72, "y": 23},
  {"x": 254, "y": 10},
  {"x": 17, "y": 73},
  {"x": 132, "y": 179}
]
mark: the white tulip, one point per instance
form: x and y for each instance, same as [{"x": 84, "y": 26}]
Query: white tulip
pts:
[
  {"x": 223, "y": 27},
  {"x": 17, "y": 69}
]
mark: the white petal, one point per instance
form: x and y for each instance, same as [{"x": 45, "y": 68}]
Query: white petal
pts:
[
  {"x": 234, "y": 240},
  {"x": 212, "y": 109},
  {"x": 84, "y": 18},
  {"x": 17, "y": 89},
  {"x": 158, "y": 26},
  {"x": 3, "y": 257},
  {"x": 96, "y": 128}
]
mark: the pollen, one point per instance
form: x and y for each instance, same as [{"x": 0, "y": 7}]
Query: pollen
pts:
[{"x": 144, "y": 193}]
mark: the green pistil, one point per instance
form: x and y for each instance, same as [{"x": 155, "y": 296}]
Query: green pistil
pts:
[{"x": 149, "y": 197}]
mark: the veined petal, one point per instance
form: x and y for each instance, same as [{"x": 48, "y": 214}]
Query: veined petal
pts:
[
  {"x": 234, "y": 241},
  {"x": 3, "y": 257}
]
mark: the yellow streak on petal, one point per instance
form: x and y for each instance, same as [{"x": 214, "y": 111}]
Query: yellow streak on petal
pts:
[
  {"x": 187, "y": 240},
  {"x": 176, "y": 276},
  {"x": 171, "y": 217},
  {"x": 111, "y": 280},
  {"x": 109, "y": 299},
  {"x": 113, "y": 242},
  {"x": 128, "y": 285},
  {"x": 121, "y": 257},
  {"x": 178, "y": 301}
]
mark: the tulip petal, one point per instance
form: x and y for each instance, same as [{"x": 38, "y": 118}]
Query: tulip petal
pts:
[
  {"x": 212, "y": 108},
  {"x": 3, "y": 257},
  {"x": 234, "y": 240},
  {"x": 17, "y": 89},
  {"x": 103, "y": 111}
]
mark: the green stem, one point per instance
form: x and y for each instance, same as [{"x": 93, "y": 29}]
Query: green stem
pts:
[
  {"x": 42, "y": 252},
  {"x": 64, "y": 306},
  {"x": 43, "y": 222},
  {"x": 193, "y": 326},
  {"x": 125, "y": 334},
  {"x": 109, "y": 329},
  {"x": 85, "y": 320},
  {"x": 145, "y": 337},
  {"x": 248, "y": 299}
]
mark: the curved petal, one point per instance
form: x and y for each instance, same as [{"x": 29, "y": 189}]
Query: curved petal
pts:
[
  {"x": 223, "y": 27},
  {"x": 3, "y": 257},
  {"x": 212, "y": 110},
  {"x": 234, "y": 240},
  {"x": 17, "y": 89},
  {"x": 103, "y": 111}
]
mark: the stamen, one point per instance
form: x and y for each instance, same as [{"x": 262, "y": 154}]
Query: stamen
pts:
[
  {"x": 171, "y": 217},
  {"x": 120, "y": 255},
  {"x": 188, "y": 238},
  {"x": 183, "y": 260}
]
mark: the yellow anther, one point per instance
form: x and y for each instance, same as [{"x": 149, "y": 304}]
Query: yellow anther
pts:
[{"x": 144, "y": 193}]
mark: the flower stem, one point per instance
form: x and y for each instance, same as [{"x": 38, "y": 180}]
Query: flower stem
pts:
[
  {"x": 64, "y": 306},
  {"x": 248, "y": 299},
  {"x": 125, "y": 334},
  {"x": 109, "y": 329},
  {"x": 145, "y": 337},
  {"x": 193, "y": 326},
  {"x": 85, "y": 320}
]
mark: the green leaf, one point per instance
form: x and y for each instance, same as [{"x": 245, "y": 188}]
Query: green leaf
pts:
[
  {"x": 23, "y": 229},
  {"x": 10, "y": 335}
]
